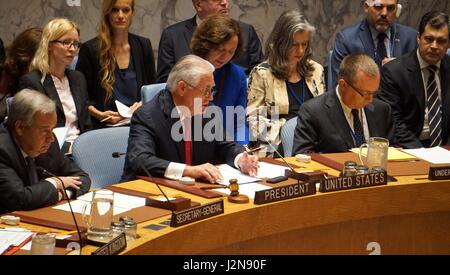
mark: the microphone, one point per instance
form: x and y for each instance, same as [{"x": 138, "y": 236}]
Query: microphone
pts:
[
  {"x": 46, "y": 173},
  {"x": 174, "y": 205}
]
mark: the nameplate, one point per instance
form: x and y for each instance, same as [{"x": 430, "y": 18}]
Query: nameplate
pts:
[
  {"x": 439, "y": 173},
  {"x": 113, "y": 247},
  {"x": 284, "y": 192},
  {"x": 358, "y": 181},
  {"x": 198, "y": 213}
]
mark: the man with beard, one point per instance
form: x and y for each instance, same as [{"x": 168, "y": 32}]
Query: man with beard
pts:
[{"x": 377, "y": 35}]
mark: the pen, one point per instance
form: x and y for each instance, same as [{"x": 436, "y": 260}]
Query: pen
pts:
[
  {"x": 250, "y": 151},
  {"x": 106, "y": 118}
]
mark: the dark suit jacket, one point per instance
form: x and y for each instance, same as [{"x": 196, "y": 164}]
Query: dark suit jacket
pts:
[
  {"x": 176, "y": 40},
  {"x": 322, "y": 127},
  {"x": 16, "y": 193},
  {"x": 88, "y": 64},
  {"x": 151, "y": 144},
  {"x": 2, "y": 53},
  {"x": 402, "y": 87},
  {"x": 78, "y": 89},
  {"x": 358, "y": 39}
]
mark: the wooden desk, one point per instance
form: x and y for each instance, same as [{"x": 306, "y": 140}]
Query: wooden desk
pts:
[{"x": 406, "y": 217}]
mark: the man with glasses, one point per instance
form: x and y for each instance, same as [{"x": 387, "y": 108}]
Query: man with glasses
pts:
[
  {"x": 377, "y": 35},
  {"x": 417, "y": 86},
  {"x": 176, "y": 39},
  {"x": 345, "y": 119},
  {"x": 172, "y": 136}
]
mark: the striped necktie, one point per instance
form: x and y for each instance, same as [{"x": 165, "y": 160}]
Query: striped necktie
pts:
[
  {"x": 357, "y": 126},
  {"x": 434, "y": 108}
]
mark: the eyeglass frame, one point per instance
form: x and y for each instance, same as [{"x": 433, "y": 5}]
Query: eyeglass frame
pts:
[
  {"x": 364, "y": 93},
  {"x": 205, "y": 92},
  {"x": 389, "y": 8},
  {"x": 68, "y": 44}
]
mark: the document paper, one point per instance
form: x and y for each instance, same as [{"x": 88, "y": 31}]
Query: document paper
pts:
[{"x": 435, "y": 155}]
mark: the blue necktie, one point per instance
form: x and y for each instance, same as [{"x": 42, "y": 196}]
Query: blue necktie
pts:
[
  {"x": 434, "y": 109},
  {"x": 359, "y": 132},
  {"x": 381, "y": 49}
]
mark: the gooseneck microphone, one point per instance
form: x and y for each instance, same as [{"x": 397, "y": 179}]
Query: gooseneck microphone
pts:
[
  {"x": 119, "y": 154},
  {"x": 46, "y": 173}
]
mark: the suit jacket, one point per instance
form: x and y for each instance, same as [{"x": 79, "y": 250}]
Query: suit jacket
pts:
[
  {"x": 16, "y": 192},
  {"x": 2, "y": 53},
  {"x": 176, "y": 40},
  {"x": 78, "y": 90},
  {"x": 402, "y": 87},
  {"x": 88, "y": 64},
  {"x": 358, "y": 39},
  {"x": 151, "y": 142},
  {"x": 322, "y": 126}
]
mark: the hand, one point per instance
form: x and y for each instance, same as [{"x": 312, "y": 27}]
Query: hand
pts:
[
  {"x": 69, "y": 182},
  {"x": 386, "y": 60},
  {"x": 249, "y": 164},
  {"x": 135, "y": 106},
  {"x": 113, "y": 117},
  {"x": 207, "y": 171}
]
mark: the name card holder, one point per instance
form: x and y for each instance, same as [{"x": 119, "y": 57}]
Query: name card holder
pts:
[
  {"x": 284, "y": 192},
  {"x": 198, "y": 213},
  {"x": 113, "y": 247},
  {"x": 353, "y": 182},
  {"x": 439, "y": 173}
]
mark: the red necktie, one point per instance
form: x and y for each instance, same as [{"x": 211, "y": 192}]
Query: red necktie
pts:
[{"x": 187, "y": 141}]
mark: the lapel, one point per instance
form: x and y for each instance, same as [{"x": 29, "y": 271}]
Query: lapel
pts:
[
  {"x": 337, "y": 117},
  {"x": 369, "y": 110},
  {"x": 76, "y": 92},
  {"x": 395, "y": 38},
  {"x": 50, "y": 91},
  {"x": 366, "y": 38},
  {"x": 167, "y": 106},
  {"x": 138, "y": 59},
  {"x": 415, "y": 76},
  {"x": 189, "y": 31},
  {"x": 445, "y": 91},
  {"x": 18, "y": 161}
]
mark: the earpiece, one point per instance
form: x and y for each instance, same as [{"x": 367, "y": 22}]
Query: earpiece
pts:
[{"x": 399, "y": 10}]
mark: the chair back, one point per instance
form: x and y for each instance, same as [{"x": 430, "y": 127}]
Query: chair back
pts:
[
  {"x": 148, "y": 92},
  {"x": 92, "y": 152},
  {"x": 287, "y": 136}
]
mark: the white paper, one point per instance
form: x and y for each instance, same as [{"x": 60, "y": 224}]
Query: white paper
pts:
[
  {"x": 246, "y": 189},
  {"x": 435, "y": 155},
  {"x": 229, "y": 173},
  {"x": 123, "y": 109},
  {"x": 268, "y": 170},
  {"x": 61, "y": 135},
  {"x": 9, "y": 237}
]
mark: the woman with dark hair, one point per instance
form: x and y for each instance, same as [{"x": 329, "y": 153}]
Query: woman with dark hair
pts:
[
  {"x": 116, "y": 63},
  {"x": 218, "y": 40},
  {"x": 16, "y": 63},
  {"x": 288, "y": 77}
]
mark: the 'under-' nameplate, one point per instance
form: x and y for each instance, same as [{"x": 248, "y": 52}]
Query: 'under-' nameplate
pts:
[
  {"x": 198, "y": 213},
  {"x": 439, "y": 173},
  {"x": 358, "y": 181},
  {"x": 284, "y": 192},
  {"x": 113, "y": 247}
]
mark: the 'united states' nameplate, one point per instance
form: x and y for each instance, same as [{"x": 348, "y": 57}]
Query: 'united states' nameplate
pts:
[
  {"x": 284, "y": 192},
  {"x": 196, "y": 213},
  {"x": 358, "y": 181},
  {"x": 439, "y": 173}
]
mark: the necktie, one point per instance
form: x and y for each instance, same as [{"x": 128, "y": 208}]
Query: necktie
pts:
[
  {"x": 187, "y": 142},
  {"x": 434, "y": 108},
  {"x": 381, "y": 48},
  {"x": 32, "y": 173},
  {"x": 359, "y": 132}
]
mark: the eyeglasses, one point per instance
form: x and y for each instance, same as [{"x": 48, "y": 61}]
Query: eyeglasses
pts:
[
  {"x": 206, "y": 92},
  {"x": 363, "y": 93},
  {"x": 67, "y": 44},
  {"x": 380, "y": 7}
]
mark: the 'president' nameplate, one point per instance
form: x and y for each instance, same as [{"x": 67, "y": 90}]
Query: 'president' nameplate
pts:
[
  {"x": 284, "y": 192},
  {"x": 196, "y": 213},
  {"x": 113, "y": 247},
  {"x": 358, "y": 181},
  {"x": 439, "y": 173}
]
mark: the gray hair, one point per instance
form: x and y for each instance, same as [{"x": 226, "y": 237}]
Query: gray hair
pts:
[
  {"x": 189, "y": 68},
  {"x": 26, "y": 104},
  {"x": 281, "y": 40},
  {"x": 354, "y": 63}
]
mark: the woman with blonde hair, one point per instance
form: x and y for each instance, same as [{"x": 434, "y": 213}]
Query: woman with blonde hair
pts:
[
  {"x": 116, "y": 63},
  {"x": 49, "y": 74},
  {"x": 282, "y": 83}
]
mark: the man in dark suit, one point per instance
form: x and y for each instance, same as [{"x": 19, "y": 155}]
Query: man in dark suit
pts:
[
  {"x": 377, "y": 35},
  {"x": 341, "y": 120},
  {"x": 176, "y": 39},
  {"x": 417, "y": 86},
  {"x": 169, "y": 135},
  {"x": 29, "y": 156}
]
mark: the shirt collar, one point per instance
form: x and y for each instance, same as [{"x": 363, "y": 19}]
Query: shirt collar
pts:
[
  {"x": 375, "y": 33},
  {"x": 345, "y": 108},
  {"x": 423, "y": 64}
]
